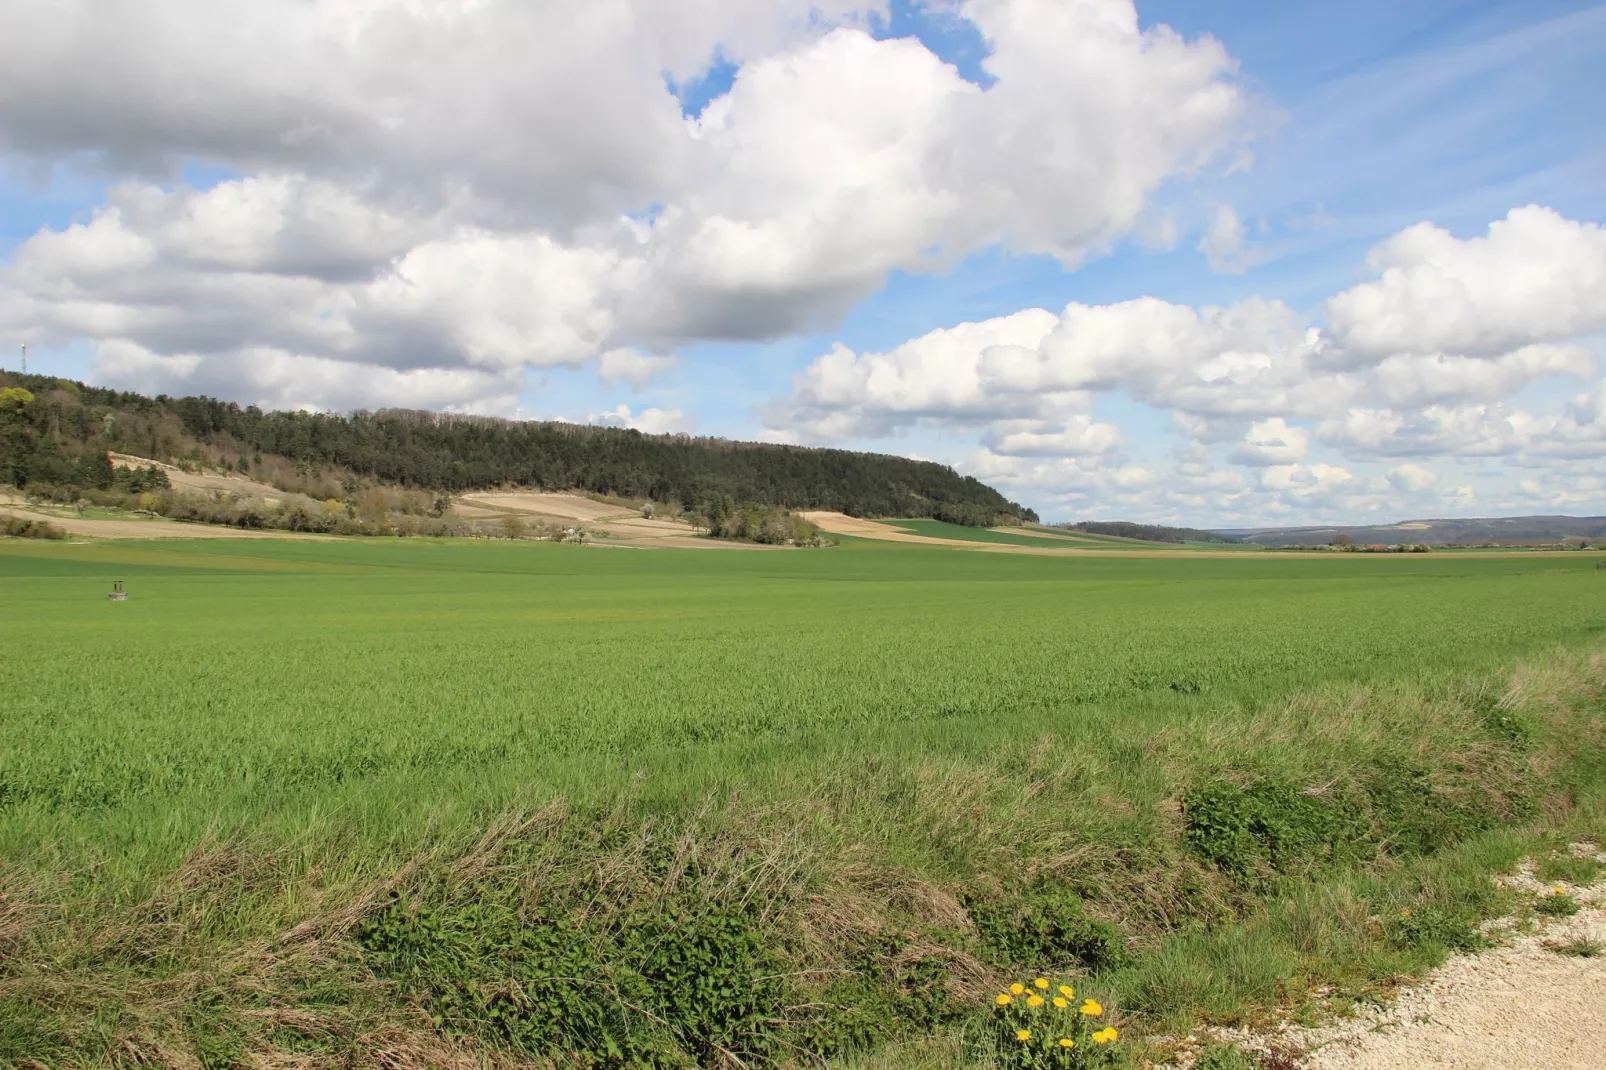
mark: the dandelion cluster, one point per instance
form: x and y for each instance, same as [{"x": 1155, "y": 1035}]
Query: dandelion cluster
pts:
[
  {"x": 1556, "y": 903},
  {"x": 1040, "y": 1026}
]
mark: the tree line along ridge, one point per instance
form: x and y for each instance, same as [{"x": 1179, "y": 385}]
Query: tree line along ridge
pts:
[{"x": 43, "y": 439}]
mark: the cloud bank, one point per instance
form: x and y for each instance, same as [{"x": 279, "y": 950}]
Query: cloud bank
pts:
[
  {"x": 1429, "y": 360},
  {"x": 425, "y": 198}
]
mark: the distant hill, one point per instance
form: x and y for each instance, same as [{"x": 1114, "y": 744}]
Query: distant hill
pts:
[
  {"x": 1127, "y": 529},
  {"x": 44, "y": 439},
  {"x": 1503, "y": 531}
]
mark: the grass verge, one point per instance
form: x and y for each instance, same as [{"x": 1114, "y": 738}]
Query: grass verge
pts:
[{"x": 1315, "y": 854}]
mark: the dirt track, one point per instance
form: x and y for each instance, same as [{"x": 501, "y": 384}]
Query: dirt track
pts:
[{"x": 1522, "y": 1005}]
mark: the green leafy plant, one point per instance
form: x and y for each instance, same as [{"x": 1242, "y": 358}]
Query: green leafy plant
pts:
[
  {"x": 1051, "y": 927},
  {"x": 1556, "y": 903},
  {"x": 1569, "y": 868},
  {"x": 1267, "y": 823},
  {"x": 1430, "y": 925},
  {"x": 1502, "y": 723},
  {"x": 23, "y": 528}
]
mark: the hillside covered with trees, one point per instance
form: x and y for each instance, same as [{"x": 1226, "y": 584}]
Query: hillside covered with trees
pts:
[
  {"x": 1126, "y": 529},
  {"x": 49, "y": 426}
]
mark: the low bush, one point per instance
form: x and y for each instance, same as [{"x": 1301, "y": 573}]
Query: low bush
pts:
[
  {"x": 770, "y": 526},
  {"x": 1050, "y": 929},
  {"x": 1253, "y": 827},
  {"x": 18, "y": 527},
  {"x": 1433, "y": 927}
]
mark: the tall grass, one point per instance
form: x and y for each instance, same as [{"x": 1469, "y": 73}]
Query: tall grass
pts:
[{"x": 333, "y": 785}]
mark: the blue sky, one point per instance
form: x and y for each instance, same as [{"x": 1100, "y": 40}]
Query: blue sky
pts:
[{"x": 1350, "y": 124}]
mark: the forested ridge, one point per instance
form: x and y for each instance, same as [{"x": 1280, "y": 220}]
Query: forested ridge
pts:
[
  {"x": 44, "y": 438},
  {"x": 1126, "y": 529}
]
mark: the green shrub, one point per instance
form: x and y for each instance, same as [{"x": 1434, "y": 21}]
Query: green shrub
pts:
[
  {"x": 1431, "y": 926},
  {"x": 1500, "y": 723},
  {"x": 1416, "y": 810},
  {"x": 1049, "y": 929},
  {"x": 1392, "y": 806},
  {"x": 1557, "y": 904},
  {"x": 687, "y": 985},
  {"x": 1266, "y": 824},
  {"x": 876, "y": 1003},
  {"x": 24, "y": 528}
]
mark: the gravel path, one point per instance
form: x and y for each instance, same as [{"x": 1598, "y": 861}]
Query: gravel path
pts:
[{"x": 1521, "y": 1005}]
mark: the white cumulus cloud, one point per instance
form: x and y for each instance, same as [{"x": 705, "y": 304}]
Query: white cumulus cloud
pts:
[
  {"x": 1272, "y": 442},
  {"x": 451, "y": 186},
  {"x": 1536, "y": 277},
  {"x": 1391, "y": 377},
  {"x": 649, "y": 421}
]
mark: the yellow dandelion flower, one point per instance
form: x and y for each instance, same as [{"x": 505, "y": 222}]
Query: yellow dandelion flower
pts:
[
  {"x": 1067, "y": 991},
  {"x": 1017, "y": 988},
  {"x": 1023, "y": 1035},
  {"x": 1004, "y": 999},
  {"x": 1042, "y": 983},
  {"x": 1060, "y": 1003},
  {"x": 1092, "y": 1008},
  {"x": 1105, "y": 1036},
  {"x": 1067, "y": 1042},
  {"x": 1559, "y": 890},
  {"x": 1034, "y": 1000}
]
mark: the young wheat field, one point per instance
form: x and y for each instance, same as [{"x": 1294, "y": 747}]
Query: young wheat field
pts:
[{"x": 411, "y": 803}]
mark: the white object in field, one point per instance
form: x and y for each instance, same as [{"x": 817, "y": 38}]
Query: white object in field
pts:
[{"x": 118, "y": 594}]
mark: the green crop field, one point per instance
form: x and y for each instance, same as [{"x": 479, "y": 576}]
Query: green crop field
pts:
[{"x": 326, "y": 799}]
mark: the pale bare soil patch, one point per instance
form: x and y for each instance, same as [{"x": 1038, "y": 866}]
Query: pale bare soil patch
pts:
[
  {"x": 477, "y": 512},
  {"x": 842, "y": 524},
  {"x": 602, "y": 520},
  {"x": 205, "y": 482},
  {"x": 642, "y": 528},
  {"x": 558, "y": 506}
]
